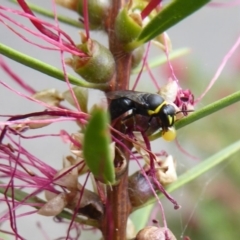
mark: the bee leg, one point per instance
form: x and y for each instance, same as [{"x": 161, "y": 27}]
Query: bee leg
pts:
[
  {"x": 149, "y": 123},
  {"x": 131, "y": 115}
]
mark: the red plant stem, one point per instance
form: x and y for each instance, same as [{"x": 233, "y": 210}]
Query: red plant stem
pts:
[
  {"x": 86, "y": 19},
  {"x": 16, "y": 78},
  {"x": 122, "y": 59},
  {"x": 118, "y": 207},
  {"x": 151, "y": 5}
]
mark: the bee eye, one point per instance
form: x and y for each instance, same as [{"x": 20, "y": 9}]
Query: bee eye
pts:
[{"x": 170, "y": 134}]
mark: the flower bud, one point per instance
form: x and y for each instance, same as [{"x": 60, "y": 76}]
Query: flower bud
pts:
[
  {"x": 99, "y": 67},
  {"x": 97, "y": 11},
  {"x": 139, "y": 189},
  {"x": 154, "y": 233},
  {"x": 81, "y": 95},
  {"x": 50, "y": 96},
  {"x": 127, "y": 26}
]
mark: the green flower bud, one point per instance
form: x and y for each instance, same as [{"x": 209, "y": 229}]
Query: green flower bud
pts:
[
  {"x": 128, "y": 26},
  {"x": 99, "y": 67},
  {"x": 97, "y": 11}
]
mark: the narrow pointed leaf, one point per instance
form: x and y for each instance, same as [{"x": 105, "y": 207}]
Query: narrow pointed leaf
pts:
[
  {"x": 200, "y": 169},
  {"x": 170, "y": 15},
  {"x": 96, "y": 146},
  {"x": 205, "y": 166},
  {"x": 205, "y": 111}
]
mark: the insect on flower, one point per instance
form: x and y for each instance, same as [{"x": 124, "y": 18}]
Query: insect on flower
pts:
[{"x": 145, "y": 104}]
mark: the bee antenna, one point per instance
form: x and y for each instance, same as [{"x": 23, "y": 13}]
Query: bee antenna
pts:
[{"x": 184, "y": 111}]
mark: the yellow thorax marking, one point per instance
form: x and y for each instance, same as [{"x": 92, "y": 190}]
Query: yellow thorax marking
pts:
[{"x": 152, "y": 112}]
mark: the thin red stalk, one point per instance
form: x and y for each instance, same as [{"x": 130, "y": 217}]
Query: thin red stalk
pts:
[
  {"x": 78, "y": 204},
  {"x": 44, "y": 233},
  {"x": 152, "y": 173},
  {"x": 64, "y": 65},
  {"x": 37, "y": 136},
  {"x": 184, "y": 151},
  {"x": 86, "y": 18},
  {"x": 43, "y": 29},
  {"x": 12, "y": 210},
  {"x": 168, "y": 59},
  {"x": 220, "y": 69},
  {"x": 30, "y": 159},
  {"x": 143, "y": 64},
  {"x": 151, "y": 6},
  {"x": 28, "y": 30},
  {"x": 43, "y": 113},
  {"x": 154, "y": 80},
  {"x": 15, "y": 77},
  {"x": 68, "y": 47},
  {"x": 69, "y": 85},
  {"x": 224, "y": 4}
]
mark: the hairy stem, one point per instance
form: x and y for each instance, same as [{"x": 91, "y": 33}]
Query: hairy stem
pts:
[{"x": 118, "y": 205}]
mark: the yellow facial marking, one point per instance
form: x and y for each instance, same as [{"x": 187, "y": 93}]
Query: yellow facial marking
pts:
[
  {"x": 170, "y": 120},
  {"x": 152, "y": 112}
]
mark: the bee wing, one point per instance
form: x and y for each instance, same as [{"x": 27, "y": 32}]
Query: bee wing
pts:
[
  {"x": 118, "y": 94},
  {"x": 132, "y": 95}
]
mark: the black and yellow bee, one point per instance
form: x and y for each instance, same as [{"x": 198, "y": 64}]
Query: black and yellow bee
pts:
[{"x": 145, "y": 104}]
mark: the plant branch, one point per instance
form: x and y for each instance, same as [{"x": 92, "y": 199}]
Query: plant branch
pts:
[
  {"x": 200, "y": 169},
  {"x": 205, "y": 111},
  {"x": 118, "y": 205},
  {"x": 45, "y": 68},
  {"x": 209, "y": 109}
]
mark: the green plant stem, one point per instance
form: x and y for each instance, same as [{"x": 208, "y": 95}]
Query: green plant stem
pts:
[
  {"x": 20, "y": 196},
  {"x": 49, "y": 14},
  {"x": 200, "y": 169},
  {"x": 209, "y": 109},
  {"x": 45, "y": 68}
]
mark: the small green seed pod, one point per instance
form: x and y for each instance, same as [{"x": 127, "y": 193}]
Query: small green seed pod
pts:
[{"x": 99, "y": 67}]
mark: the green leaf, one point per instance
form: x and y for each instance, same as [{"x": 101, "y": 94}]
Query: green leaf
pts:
[
  {"x": 200, "y": 169},
  {"x": 45, "y": 68},
  {"x": 96, "y": 146},
  {"x": 205, "y": 111},
  {"x": 170, "y": 15},
  {"x": 205, "y": 166}
]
